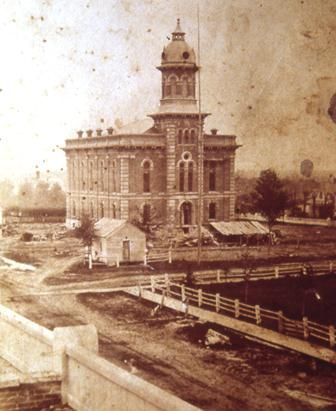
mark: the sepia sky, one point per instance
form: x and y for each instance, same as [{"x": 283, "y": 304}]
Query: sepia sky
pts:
[{"x": 268, "y": 74}]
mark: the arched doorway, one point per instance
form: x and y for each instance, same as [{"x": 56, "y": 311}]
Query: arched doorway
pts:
[{"x": 186, "y": 213}]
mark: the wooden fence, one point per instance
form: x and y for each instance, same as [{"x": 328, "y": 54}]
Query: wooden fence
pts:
[
  {"x": 262, "y": 273},
  {"x": 155, "y": 256},
  {"x": 274, "y": 320}
]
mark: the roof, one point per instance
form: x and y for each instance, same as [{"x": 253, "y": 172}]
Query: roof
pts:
[
  {"x": 106, "y": 226},
  {"x": 178, "y": 50},
  {"x": 239, "y": 227}
]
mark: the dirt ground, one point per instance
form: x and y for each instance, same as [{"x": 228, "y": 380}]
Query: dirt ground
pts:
[{"x": 168, "y": 350}]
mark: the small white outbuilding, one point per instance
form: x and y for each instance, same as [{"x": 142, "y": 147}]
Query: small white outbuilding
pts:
[{"x": 117, "y": 241}]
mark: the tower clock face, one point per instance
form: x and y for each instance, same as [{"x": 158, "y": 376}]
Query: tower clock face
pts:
[{"x": 185, "y": 55}]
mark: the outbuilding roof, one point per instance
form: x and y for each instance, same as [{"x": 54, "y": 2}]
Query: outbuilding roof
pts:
[
  {"x": 239, "y": 227},
  {"x": 105, "y": 226}
]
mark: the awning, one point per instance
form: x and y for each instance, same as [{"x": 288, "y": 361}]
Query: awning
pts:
[{"x": 239, "y": 228}]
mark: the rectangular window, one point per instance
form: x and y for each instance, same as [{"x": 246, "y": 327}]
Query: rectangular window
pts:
[
  {"x": 146, "y": 182},
  {"x": 212, "y": 211},
  {"x": 181, "y": 177},
  {"x": 190, "y": 177},
  {"x": 212, "y": 176},
  {"x": 146, "y": 214}
]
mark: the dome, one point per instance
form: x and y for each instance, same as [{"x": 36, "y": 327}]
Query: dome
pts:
[{"x": 178, "y": 50}]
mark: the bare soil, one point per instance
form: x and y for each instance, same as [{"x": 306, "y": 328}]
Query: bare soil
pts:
[{"x": 168, "y": 350}]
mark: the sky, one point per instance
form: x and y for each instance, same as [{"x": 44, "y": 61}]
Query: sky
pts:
[{"x": 268, "y": 75}]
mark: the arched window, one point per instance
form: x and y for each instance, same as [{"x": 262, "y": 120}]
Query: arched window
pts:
[
  {"x": 146, "y": 176},
  {"x": 83, "y": 176},
  {"x": 190, "y": 176},
  {"x": 212, "y": 176},
  {"x": 172, "y": 82},
  {"x": 186, "y": 213},
  {"x": 212, "y": 211},
  {"x": 181, "y": 176},
  {"x": 191, "y": 88},
  {"x": 168, "y": 90},
  {"x": 101, "y": 210},
  {"x": 184, "y": 86},
  {"x": 91, "y": 175},
  {"x": 113, "y": 177},
  {"x": 146, "y": 213},
  {"x": 179, "y": 88},
  {"x": 186, "y": 136},
  {"x": 102, "y": 176},
  {"x": 114, "y": 214},
  {"x": 180, "y": 136},
  {"x": 192, "y": 136},
  {"x": 73, "y": 177}
]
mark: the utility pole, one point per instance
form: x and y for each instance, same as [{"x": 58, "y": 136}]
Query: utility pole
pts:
[{"x": 200, "y": 146}]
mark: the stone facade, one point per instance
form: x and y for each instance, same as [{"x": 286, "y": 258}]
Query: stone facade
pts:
[{"x": 164, "y": 174}]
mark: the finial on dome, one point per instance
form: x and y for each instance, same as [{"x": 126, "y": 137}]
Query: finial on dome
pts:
[
  {"x": 178, "y": 27},
  {"x": 178, "y": 33}
]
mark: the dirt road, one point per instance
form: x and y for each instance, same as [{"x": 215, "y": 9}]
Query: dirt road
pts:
[{"x": 168, "y": 351}]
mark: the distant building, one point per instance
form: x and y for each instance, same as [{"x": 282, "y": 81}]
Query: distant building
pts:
[{"x": 155, "y": 175}]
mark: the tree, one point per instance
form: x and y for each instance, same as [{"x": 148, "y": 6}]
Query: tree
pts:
[
  {"x": 270, "y": 198},
  {"x": 25, "y": 194},
  {"x": 56, "y": 196},
  {"x": 85, "y": 232},
  {"x": 7, "y": 197}
]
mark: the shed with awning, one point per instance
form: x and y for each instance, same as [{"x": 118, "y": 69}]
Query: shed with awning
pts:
[{"x": 237, "y": 230}]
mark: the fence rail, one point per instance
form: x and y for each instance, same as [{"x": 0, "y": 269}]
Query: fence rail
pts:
[
  {"x": 274, "y": 320},
  {"x": 263, "y": 273}
]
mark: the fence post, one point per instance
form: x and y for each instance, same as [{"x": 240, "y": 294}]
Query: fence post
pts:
[
  {"x": 257, "y": 314},
  {"x": 145, "y": 259},
  {"x": 163, "y": 297},
  {"x": 236, "y": 307},
  {"x": 152, "y": 284},
  {"x": 330, "y": 267},
  {"x": 182, "y": 292},
  {"x": 217, "y": 302},
  {"x": 280, "y": 322},
  {"x": 305, "y": 328},
  {"x": 65, "y": 375},
  {"x": 218, "y": 276},
  {"x": 170, "y": 256},
  {"x": 139, "y": 289},
  {"x": 276, "y": 271},
  {"x": 118, "y": 263},
  {"x": 199, "y": 297},
  {"x": 167, "y": 285},
  {"x": 332, "y": 336}
]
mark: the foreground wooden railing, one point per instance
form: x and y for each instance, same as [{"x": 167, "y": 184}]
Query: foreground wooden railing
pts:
[{"x": 273, "y": 320}]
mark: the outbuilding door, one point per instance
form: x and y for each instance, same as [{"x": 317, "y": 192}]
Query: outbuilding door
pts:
[{"x": 126, "y": 251}]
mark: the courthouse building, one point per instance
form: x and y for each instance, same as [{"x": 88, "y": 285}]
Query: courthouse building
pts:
[{"x": 154, "y": 175}]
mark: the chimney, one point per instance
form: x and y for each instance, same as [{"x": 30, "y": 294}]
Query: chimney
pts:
[
  {"x": 214, "y": 131},
  {"x": 110, "y": 131},
  {"x": 99, "y": 132},
  {"x": 80, "y": 133},
  {"x": 89, "y": 133}
]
